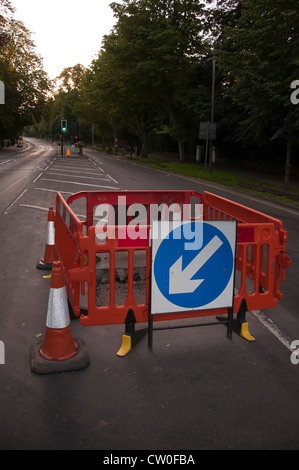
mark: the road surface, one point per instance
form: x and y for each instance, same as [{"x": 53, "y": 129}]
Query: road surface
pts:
[{"x": 194, "y": 390}]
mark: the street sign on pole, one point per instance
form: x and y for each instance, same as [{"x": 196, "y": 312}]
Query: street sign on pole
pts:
[
  {"x": 193, "y": 265},
  {"x": 207, "y": 130}
]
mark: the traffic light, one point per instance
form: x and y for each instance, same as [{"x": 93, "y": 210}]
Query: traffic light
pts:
[{"x": 63, "y": 125}]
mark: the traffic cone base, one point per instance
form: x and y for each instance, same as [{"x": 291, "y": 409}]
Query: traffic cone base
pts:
[
  {"x": 59, "y": 352},
  {"x": 42, "y": 366}
]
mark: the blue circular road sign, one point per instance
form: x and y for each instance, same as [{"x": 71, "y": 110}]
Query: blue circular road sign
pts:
[{"x": 193, "y": 278}]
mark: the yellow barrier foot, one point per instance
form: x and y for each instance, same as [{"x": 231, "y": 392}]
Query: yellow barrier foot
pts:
[
  {"x": 126, "y": 346},
  {"x": 245, "y": 332},
  {"x": 48, "y": 276},
  {"x": 130, "y": 339}
]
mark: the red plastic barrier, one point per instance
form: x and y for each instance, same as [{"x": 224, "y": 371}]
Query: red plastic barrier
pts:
[{"x": 260, "y": 262}]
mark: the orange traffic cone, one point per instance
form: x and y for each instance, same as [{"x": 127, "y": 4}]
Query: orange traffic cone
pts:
[
  {"x": 59, "y": 352},
  {"x": 50, "y": 252}
]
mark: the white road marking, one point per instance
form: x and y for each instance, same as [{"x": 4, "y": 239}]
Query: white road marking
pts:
[
  {"x": 53, "y": 191},
  {"x": 35, "y": 180},
  {"x": 34, "y": 207},
  {"x": 270, "y": 325},
  {"x": 112, "y": 179},
  {"x": 16, "y": 200},
  {"x": 85, "y": 177},
  {"x": 80, "y": 184}
]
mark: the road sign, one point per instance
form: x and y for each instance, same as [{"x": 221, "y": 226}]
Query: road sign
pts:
[
  {"x": 192, "y": 265},
  {"x": 207, "y": 130}
]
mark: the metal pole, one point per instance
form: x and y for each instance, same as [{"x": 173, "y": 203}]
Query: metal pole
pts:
[
  {"x": 207, "y": 143},
  {"x": 212, "y": 108}
]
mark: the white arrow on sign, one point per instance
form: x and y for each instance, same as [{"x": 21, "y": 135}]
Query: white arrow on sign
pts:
[{"x": 180, "y": 280}]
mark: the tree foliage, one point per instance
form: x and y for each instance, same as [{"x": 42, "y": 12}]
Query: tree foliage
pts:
[
  {"x": 259, "y": 57},
  {"x": 21, "y": 70},
  {"x": 152, "y": 78}
]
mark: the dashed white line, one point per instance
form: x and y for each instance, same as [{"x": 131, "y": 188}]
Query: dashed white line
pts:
[
  {"x": 35, "y": 180},
  {"x": 112, "y": 179}
]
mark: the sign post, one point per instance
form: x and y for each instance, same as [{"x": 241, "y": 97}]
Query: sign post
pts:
[{"x": 207, "y": 131}]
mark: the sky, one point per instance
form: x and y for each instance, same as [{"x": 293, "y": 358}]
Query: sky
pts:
[{"x": 66, "y": 32}]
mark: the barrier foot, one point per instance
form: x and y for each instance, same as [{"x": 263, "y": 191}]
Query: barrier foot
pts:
[
  {"x": 130, "y": 339},
  {"x": 43, "y": 265},
  {"x": 244, "y": 332},
  {"x": 43, "y": 366},
  {"x": 126, "y": 346},
  {"x": 241, "y": 325}
]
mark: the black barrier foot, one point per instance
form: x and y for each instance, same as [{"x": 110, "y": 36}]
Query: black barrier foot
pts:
[
  {"x": 240, "y": 325},
  {"x": 43, "y": 265},
  {"x": 129, "y": 341},
  {"x": 131, "y": 337}
]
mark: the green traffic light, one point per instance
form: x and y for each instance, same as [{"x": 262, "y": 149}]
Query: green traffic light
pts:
[{"x": 63, "y": 125}]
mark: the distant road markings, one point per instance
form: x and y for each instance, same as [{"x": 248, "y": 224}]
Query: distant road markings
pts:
[
  {"x": 85, "y": 177},
  {"x": 58, "y": 170},
  {"x": 52, "y": 190},
  {"x": 35, "y": 207},
  {"x": 80, "y": 184}
]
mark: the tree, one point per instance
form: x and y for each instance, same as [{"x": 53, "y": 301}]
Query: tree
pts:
[
  {"x": 21, "y": 69},
  {"x": 150, "y": 63},
  {"x": 6, "y": 9},
  {"x": 258, "y": 53}
]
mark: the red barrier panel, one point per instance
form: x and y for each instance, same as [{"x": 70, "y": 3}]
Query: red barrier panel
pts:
[
  {"x": 260, "y": 262},
  {"x": 261, "y": 258}
]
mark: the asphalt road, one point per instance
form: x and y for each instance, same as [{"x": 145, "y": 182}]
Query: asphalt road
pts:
[{"x": 195, "y": 390}]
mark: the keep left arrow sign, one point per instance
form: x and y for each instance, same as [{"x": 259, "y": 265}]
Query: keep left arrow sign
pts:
[{"x": 180, "y": 280}]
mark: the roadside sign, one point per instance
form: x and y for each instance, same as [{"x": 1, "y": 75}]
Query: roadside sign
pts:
[
  {"x": 193, "y": 265},
  {"x": 207, "y": 130}
]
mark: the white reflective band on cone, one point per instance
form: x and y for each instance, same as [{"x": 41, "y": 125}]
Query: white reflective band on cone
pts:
[
  {"x": 58, "y": 312},
  {"x": 50, "y": 234}
]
